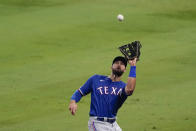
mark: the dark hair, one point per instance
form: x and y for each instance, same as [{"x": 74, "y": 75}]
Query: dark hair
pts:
[{"x": 120, "y": 58}]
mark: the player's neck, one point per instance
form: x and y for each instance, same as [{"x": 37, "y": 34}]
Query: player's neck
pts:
[{"x": 114, "y": 77}]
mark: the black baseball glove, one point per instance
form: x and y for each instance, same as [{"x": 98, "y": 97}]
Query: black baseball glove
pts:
[{"x": 131, "y": 50}]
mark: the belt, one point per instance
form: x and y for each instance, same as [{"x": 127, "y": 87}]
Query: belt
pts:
[{"x": 105, "y": 119}]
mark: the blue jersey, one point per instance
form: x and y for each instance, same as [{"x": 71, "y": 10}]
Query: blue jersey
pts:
[{"x": 106, "y": 96}]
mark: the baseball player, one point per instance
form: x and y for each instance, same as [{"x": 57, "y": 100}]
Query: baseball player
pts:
[{"x": 108, "y": 93}]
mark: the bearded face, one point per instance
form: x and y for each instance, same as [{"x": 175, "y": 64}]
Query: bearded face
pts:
[
  {"x": 118, "y": 68},
  {"x": 117, "y": 73}
]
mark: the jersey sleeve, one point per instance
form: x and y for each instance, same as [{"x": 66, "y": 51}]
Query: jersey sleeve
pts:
[
  {"x": 87, "y": 87},
  {"x": 83, "y": 90}
]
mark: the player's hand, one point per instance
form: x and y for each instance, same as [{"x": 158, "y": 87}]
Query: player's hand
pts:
[
  {"x": 133, "y": 62},
  {"x": 73, "y": 107}
]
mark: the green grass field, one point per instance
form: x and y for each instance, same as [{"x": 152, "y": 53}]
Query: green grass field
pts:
[{"x": 49, "y": 48}]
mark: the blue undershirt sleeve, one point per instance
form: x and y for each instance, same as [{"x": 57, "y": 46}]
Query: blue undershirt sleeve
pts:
[{"x": 76, "y": 96}]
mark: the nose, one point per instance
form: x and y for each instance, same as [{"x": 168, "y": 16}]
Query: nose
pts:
[{"x": 119, "y": 65}]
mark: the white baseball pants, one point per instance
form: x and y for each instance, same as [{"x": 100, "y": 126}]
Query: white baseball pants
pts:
[{"x": 95, "y": 125}]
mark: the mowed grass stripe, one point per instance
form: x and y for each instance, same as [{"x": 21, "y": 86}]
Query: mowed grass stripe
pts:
[{"x": 49, "y": 51}]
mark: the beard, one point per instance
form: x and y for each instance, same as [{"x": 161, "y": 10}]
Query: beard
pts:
[{"x": 117, "y": 73}]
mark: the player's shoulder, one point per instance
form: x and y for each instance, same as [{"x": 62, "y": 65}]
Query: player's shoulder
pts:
[{"x": 96, "y": 76}]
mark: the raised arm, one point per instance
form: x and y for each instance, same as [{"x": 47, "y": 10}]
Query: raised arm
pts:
[{"x": 131, "y": 82}]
